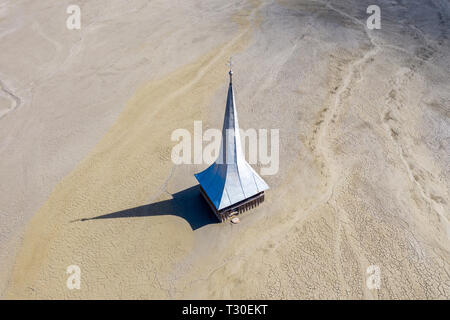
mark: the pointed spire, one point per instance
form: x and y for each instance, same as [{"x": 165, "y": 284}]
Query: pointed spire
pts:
[
  {"x": 230, "y": 178},
  {"x": 230, "y": 149}
]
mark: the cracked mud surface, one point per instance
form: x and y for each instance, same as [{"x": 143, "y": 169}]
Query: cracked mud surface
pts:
[{"x": 85, "y": 125}]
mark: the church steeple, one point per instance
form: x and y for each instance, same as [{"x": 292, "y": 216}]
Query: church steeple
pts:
[{"x": 230, "y": 183}]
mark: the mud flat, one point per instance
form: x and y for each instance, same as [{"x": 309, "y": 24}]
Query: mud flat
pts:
[{"x": 86, "y": 120}]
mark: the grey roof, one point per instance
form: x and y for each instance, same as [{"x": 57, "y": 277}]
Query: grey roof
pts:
[{"x": 233, "y": 180}]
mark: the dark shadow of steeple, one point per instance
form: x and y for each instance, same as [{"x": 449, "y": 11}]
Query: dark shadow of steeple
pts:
[{"x": 187, "y": 204}]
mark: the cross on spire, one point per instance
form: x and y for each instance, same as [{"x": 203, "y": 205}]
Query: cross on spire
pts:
[{"x": 230, "y": 64}]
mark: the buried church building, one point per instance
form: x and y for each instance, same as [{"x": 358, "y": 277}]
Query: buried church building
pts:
[{"x": 230, "y": 185}]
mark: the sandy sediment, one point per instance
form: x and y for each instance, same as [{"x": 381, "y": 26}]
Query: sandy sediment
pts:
[
  {"x": 363, "y": 180},
  {"x": 125, "y": 156}
]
